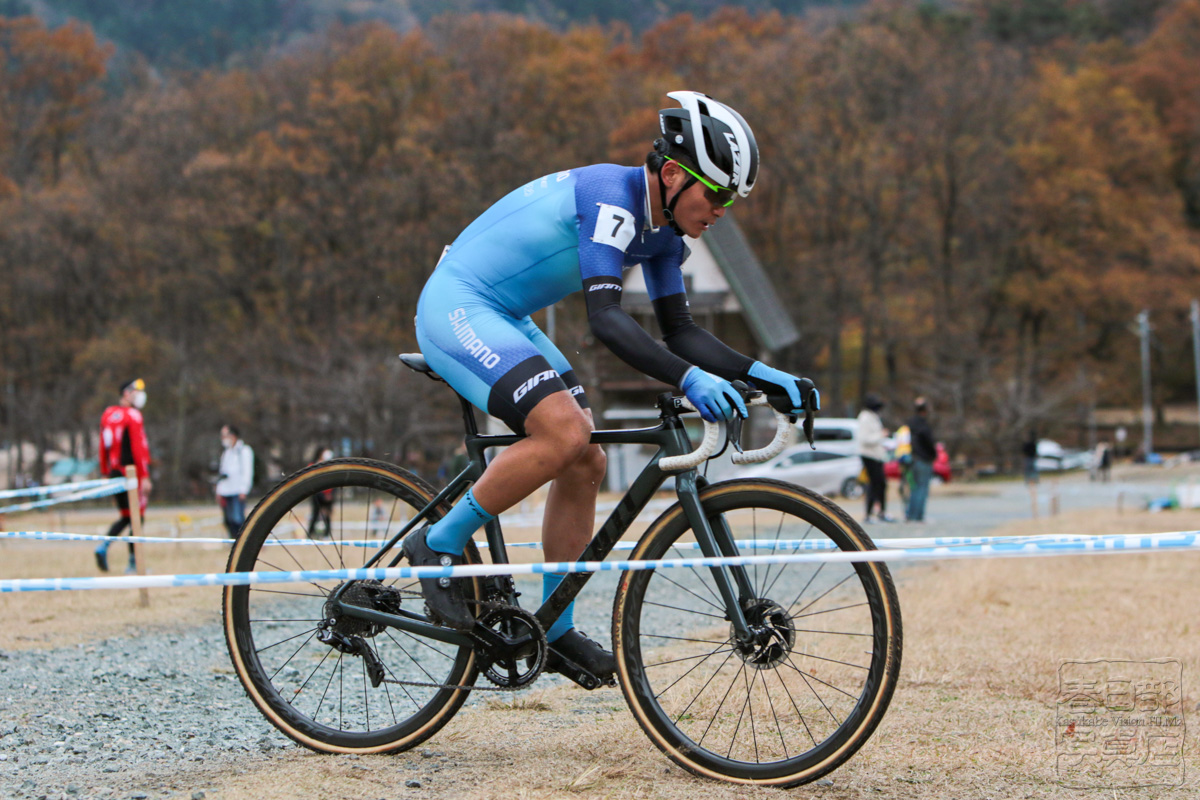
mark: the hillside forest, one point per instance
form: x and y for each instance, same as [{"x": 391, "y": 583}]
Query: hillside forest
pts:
[{"x": 971, "y": 201}]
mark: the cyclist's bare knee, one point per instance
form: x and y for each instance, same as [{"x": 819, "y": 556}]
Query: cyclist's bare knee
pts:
[{"x": 560, "y": 423}]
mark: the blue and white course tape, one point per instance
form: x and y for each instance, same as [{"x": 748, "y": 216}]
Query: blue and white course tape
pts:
[
  {"x": 1095, "y": 545},
  {"x": 104, "y": 489}
]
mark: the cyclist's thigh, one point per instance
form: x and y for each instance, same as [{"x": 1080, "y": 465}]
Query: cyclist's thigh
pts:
[
  {"x": 485, "y": 354},
  {"x": 557, "y": 360}
]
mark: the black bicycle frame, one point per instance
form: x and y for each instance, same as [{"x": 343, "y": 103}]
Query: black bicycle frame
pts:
[{"x": 671, "y": 439}]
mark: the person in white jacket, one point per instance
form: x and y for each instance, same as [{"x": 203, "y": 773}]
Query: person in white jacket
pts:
[
  {"x": 237, "y": 476},
  {"x": 871, "y": 434}
]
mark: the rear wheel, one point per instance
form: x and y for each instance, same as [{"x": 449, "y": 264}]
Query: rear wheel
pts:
[
  {"x": 809, "y": 690},
  {"x": 326, "y": 694}
]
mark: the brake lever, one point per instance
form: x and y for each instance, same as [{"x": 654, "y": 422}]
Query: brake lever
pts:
[
  {"x": 733, "y": 433},
  {"x": 808, "y": 427}
]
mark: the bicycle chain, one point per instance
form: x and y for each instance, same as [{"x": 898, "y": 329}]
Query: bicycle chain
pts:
[{"x": 487, "y": 606}]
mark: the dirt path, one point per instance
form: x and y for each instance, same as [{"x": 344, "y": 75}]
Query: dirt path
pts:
[{"x": 974, "y": 714}]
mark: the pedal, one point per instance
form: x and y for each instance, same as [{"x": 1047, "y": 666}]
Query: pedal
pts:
[{"x": 577, "y": 673}]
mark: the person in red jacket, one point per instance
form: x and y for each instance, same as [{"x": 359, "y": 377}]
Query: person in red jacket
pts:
[{"x": 123, "y": 443}]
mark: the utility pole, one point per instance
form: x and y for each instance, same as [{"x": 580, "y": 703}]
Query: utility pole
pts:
[
  {"x": 1147, "y": 409},
  {"x": 1196, "y": 349}
]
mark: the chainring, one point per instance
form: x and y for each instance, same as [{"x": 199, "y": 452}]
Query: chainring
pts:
[{"x": 518, "y": 664}]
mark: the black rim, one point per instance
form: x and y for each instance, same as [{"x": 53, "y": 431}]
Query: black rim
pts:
[
  {"x": 325, "y": 693},
  {"x": 787, "y": 705}
]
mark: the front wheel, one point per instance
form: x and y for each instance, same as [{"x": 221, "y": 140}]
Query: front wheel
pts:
[
  {"x": 809, "y": 691},
  {"x": 339, "y": 684}
]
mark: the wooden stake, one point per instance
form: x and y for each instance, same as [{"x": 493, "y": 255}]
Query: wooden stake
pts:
[{"x": 135, "y": 527}]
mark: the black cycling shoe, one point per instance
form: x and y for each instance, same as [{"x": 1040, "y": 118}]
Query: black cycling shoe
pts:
[
  {"x": 102, "y": 558},
  {"x": 575, "y": 646},
  {"x": 445, "y": 598}
]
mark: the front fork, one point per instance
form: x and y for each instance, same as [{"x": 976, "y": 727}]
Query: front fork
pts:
[{"x": 716, "y": 540}]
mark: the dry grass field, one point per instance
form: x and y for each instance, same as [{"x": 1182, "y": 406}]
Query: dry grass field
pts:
[{"x": 973, "y": 716}]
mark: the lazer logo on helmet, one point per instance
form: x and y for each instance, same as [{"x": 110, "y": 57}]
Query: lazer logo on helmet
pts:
[
  {"x": 472, "y": 343},
  {"x": 528, "y": 385},
  {"x": 600, "y": 286}
]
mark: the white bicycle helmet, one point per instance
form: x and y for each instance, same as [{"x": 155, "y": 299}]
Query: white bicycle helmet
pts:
[{"x": 712, "y": 142}]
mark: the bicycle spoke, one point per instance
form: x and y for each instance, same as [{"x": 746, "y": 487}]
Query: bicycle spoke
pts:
[
  {"x": 711, "y": 702},
  {"x": 282, "y": 641},
  {"x": 779, "y": 728},
  {"x": 693, "y": 594},
  {"x": 279, "y": 591},
  {"x": 703, "y": 688},
  {"x": 823, "y": 594},
  {"x": 807, "y": 675},
  {"x": 682, "y": 638},
  {"x": 721, "y": 705},
  {"x": 685, "y": 610},
  {"x": 831, "y": 610},
  {"x": 685, "y": 658},
  {"x": 293, "y": 655}
]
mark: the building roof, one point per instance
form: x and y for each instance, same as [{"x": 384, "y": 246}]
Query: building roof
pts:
[
  {"x": 723, "y": 274},
  {"x": 769, "y": 321}
]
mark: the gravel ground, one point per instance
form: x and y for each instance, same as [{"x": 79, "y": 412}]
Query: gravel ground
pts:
[
  {"x": 73, "y": 720},
  {"x": 163, "y": 716}
]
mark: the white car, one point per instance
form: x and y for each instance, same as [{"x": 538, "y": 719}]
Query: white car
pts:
[
  {"x": 833, "y": 434},
  {"x": 1053, "y": 457},
  {"x": 819, "y": 470}
]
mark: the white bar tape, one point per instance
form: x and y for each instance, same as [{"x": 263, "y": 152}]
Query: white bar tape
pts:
[
  {"x": 1120, "y": 544},
  {"x": 698, "y": 456},
  {"x": 784, "y": 431}
]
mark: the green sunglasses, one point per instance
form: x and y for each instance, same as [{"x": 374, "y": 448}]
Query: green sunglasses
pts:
[{"x": 715, "y": 194}]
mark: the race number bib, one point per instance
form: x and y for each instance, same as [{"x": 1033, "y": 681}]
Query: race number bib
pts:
[{"x": 614, "y": 226}]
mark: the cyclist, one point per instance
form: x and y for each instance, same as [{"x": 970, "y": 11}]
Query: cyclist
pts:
[
  {"x": 572, "y": 230},
  {"x": 122, "y": 443}
]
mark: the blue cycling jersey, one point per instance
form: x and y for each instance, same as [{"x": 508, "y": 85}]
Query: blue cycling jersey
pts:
[
  {"x": 539, "y": 243},
  {"x": 566, "y": 232}
]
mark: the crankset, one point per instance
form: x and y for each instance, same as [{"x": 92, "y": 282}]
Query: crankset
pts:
[{"x": 516, "y": 655}]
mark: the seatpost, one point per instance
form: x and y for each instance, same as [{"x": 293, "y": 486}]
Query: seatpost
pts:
[{"x": 468, "y": 412}]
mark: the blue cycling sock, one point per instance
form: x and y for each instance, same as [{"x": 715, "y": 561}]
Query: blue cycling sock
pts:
[
  {"x": 550, "y": 582},
  {"x": 451, "y": 533}
]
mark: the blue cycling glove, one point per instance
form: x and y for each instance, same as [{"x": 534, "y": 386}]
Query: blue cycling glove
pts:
[
  {"x": 713, "y": 397},
  {"x": 770, "y": 380}
]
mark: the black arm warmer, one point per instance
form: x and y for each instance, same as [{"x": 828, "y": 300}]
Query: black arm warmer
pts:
[
  {"x": 621, "y": 334},
  {"x": 688, "y": 340}
]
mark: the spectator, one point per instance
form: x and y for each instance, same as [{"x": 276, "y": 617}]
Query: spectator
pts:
[
  {"x": 237, "y": 476},
  {"x": 924, "y": 451},
  {"x": 454, "y": 464},
  {"x": 871, "y": 434},
  {"x": 123, "y": 443},
  {"x": 322, "y": 502},
  {"x": 1030, "y": 467},
  {"x": 1102, "y": 462}
]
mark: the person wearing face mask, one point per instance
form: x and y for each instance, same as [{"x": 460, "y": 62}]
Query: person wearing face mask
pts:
[
  {"x": 320, "y": 520},
  {"x": 123, "y": 443},
  {"x": 237, "y": 476}
]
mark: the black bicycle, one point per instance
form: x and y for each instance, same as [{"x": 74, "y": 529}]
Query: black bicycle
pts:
[{"x": 765, "y": 674}]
